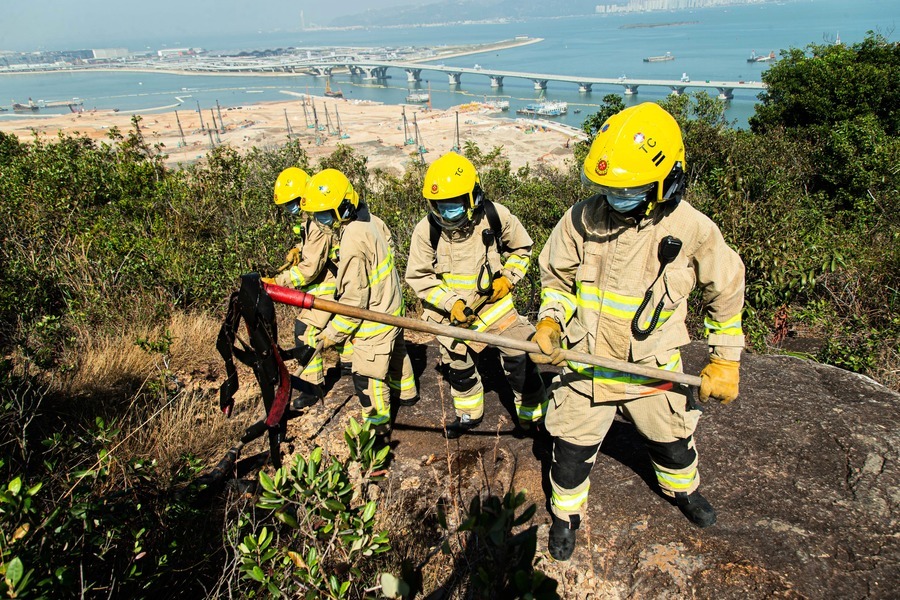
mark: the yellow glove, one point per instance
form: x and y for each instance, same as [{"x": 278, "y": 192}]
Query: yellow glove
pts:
[
  {"x": 502, "y": 286},
  {"x": 269, "y": 280},
  {"x": 547, "y": 337},
  {"x": 292, "y": 257},
  {"x": 719, "y": 380},
  {"x": 326, "y": 341},
  {"x": 459, "y": 316}
]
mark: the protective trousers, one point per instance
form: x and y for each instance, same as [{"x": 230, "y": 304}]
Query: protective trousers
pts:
[
  {"x": 579, "y": 425},
  {"x": 314, "y": 372},
  {"x": 529, "y": 394},
  {"x": 374, "y": 391}
]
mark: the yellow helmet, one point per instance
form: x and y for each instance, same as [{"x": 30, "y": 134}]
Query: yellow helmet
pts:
[
  {"x": 453, "y": 190},
  {"x": 637, "y": 153},
  {"x": 330, "y": 198},
  {"x": 290, "y": 185}
]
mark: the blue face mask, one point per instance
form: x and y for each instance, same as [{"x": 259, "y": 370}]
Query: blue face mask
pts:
[
  {"x": 623, "y": 204},
  {"x": 292, "y": 208},
  {"x": 451, "y": 211},
  {"x": 326, "y": 218}
]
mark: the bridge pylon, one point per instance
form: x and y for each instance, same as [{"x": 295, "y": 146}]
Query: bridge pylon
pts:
[
  {"x": 454, "y": 78},
  {"x": 725, "y": 93},
  {"x": 585, "y": 88},
  {"x": 630, "y": 89},
  {"x": 496, "y": 81},
  {"x": 540, "y": 84},
  {"x": 413, "y": 75}
]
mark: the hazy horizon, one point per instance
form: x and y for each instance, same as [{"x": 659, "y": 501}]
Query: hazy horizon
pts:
[{"x": 66, "y": 25}]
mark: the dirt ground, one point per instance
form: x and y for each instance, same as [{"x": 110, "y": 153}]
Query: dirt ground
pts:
[{"x": 377, "y": 130}]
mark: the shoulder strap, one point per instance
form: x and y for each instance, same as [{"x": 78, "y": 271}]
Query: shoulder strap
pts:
[
  {"x": 490, "y": 211},
  {"x": 434, "y": 232}
]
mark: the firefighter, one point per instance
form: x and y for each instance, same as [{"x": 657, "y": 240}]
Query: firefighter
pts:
[
  {"x": 465, "y": 258},
  {"x": 312, "y": 268},
  {"x": 365, "y": 278},
  {"x": 616, "y": 274}
]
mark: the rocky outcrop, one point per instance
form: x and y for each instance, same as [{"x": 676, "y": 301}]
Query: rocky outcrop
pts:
[{"x": 802, "y": 469}]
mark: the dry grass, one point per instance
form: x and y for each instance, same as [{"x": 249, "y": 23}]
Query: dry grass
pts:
[{"x": 171, "y": 397}]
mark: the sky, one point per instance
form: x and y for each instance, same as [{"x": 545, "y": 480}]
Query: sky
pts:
[{"x": 71, "y": 24}]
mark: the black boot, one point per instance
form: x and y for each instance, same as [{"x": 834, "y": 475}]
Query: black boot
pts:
[
  {"x": 309, "y": 395},
  {"x": 696, "y": 508},
  {"x": 562, "y": 538},
  {"x": 409, "y": 401},
  {"x": 345, "y": 368},
  {"x": 460, "y": 426}
]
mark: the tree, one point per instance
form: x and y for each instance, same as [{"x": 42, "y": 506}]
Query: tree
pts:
[{"x": 828, "y": 84}]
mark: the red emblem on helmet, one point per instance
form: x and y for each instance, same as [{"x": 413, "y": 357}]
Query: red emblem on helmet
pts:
[
  {"x": 601, "y": 167},
  {"x": 434, "y": 188}
]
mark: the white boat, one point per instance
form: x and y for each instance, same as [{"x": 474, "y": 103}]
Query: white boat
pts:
[
  {"x": 544, "y": 109},
  {"x": 418, "y": 97},
  {"x": 497, "y": 104},
  {"x": 665, "y": 57}
]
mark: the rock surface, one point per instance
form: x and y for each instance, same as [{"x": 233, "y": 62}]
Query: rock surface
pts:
[{"x": 802, "y": 469}]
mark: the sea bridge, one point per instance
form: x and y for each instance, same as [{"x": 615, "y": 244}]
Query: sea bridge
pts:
[{"x": 378, "y": 70}]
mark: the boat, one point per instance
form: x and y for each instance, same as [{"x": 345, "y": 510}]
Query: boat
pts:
[
  {"x": 544, "y": 109},
  {"x": 496, "y": 104},
  {"x": 418, "y": 97},
  {"x": 685, "y": 78},
  {"x": 330, "y": 92},
  {"x": 755, "y": 58},
  {"x": 663, "y": 58},
  {"x": 30, "y": 107}
]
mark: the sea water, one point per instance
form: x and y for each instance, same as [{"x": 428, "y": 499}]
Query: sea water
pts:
[{"x": 708, "y": 44}]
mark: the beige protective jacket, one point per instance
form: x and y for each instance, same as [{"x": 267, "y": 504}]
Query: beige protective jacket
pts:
[
  {"x": 366, "y": 278},
  {"x": 597, "y": 266},
  {"x": 440, "y": 278},
  {"x": 315, "y": 273}
]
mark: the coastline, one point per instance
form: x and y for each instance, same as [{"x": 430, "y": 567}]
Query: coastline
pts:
[{"x": 375, "y": 130}]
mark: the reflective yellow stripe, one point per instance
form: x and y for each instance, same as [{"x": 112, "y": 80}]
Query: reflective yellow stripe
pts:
[
  {"x": 343, "y": 324},
  {"x": 325, "y": 288},
  {"x": 616, "y": 305},
  {"x": 517, "y": 263},
  {"x": 468, "y": 402},
  {"x": 676, "y": 481},
  {"x": 459, "y": 282},
  {"x": 608, "y": 376},
  {"x": 334, "y": 253},
  {"x": 346, "y": 349},
  {"x": 570, "y": 502},
  {"x": 383, "y": 270},
  {"x": 567, "y": 300},
  {"x": 407, "y": 383},
  {"x": 366, "y": 329},
  {"x": 730, "y": 327},
  {"x": 532, "y": 413},
  {"x": 379, "y": 397},
  {"x": 297, "y": 277},
  {"x": 315, "y": 366},
  {"x": 493, "y": 315},
  {"x": 438, "y": 296}
]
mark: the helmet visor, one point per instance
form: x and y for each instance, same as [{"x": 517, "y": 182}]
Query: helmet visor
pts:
[{"x": 639, "y": 191}]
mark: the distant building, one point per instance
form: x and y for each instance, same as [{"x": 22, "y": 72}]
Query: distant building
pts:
[
  {"x": 175, "y": 52},
  {"x": 107, "y": 53}
]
